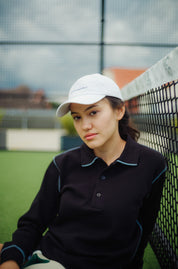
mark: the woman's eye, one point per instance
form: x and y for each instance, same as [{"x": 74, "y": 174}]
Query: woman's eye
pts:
[
  {"x": 76, "y": 118},
  {"x": 93, "y": 113}
]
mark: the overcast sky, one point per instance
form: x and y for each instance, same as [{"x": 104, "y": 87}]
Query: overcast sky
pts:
[{"x": 54, "y": 68}]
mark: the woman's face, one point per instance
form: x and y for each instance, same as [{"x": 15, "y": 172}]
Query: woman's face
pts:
[{"x": 97, "y": 124}]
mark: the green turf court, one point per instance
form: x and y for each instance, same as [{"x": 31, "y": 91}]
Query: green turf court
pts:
[{"x": 21, "y": 174}]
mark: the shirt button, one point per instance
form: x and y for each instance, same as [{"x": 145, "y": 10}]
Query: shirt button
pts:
[
  {"x": 98, "y": 194},
  {"x": 103, "y": 177}
]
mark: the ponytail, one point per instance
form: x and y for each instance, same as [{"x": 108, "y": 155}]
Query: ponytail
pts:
[{"x": 125, "y": 125}]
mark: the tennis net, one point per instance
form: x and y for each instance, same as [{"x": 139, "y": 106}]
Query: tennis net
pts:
[{"x": 155, "y": 113}]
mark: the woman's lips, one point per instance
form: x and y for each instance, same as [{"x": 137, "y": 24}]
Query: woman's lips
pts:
[{"x": 90, "y": 136}]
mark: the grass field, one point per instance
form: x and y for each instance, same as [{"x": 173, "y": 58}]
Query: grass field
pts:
[
  {"x": 21, "y": 174},
  {"x": 169, "y": 203}
]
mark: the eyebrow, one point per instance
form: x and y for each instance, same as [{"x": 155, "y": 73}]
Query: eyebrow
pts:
[{"x": 88, "y": 108}]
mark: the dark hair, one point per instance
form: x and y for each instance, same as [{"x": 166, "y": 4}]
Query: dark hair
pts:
[{"x": 125, "y": 125}]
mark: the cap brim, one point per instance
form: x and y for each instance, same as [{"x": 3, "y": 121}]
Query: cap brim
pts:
[{"x": 64, "y": 108}]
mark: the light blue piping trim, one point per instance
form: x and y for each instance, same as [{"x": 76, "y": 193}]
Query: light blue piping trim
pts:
[
  {"x": 68, "y": 150},
  {"x": 15, "y": 246},
  {"x": 130, "y": 164},
  {"x": 140, "y": 226},
  {"x": 54, "y": 161},
  {"x": 159, "y": 174},
  {"x": 141, "y": 230},
  {"x": 59, "y": 184},
  {"x": 88, "y": 164},
  {"x": 59, "y": 179}
]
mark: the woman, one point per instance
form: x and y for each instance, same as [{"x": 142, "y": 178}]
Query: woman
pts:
[{"x": 98, "y": 202}]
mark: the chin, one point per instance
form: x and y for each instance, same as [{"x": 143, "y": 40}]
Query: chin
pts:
[{"x": 91, "y": 144}]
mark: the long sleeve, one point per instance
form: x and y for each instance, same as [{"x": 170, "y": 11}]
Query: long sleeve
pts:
[
  {"x": 148, "y": 215},
  {"x": 33, "y": 224}
]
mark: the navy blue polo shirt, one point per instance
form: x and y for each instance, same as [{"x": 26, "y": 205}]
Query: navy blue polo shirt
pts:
[{"x": 98, "y": 216}]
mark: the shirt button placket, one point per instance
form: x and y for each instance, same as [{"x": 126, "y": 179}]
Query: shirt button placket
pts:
[{"x": 98, "y": 194}]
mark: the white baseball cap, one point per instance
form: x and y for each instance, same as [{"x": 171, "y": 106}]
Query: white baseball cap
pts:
[{"x": 88, "y": 90}]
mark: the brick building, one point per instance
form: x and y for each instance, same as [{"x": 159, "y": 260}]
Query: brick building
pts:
[{"x": 23, "y": 98}]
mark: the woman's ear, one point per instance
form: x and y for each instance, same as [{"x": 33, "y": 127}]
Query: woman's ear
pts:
[{"x": 120, "y": 112}]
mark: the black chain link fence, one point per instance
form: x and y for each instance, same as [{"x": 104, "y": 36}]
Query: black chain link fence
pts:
[{"x": 155, "y": 114}]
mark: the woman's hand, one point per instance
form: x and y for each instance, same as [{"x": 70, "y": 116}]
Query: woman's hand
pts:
[{"x": 9, "y": 265}]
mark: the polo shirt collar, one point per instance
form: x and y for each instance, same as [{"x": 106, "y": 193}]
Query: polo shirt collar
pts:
[
  {"x": 87, "y": 156},
  {"x": 129, "y": 156}
]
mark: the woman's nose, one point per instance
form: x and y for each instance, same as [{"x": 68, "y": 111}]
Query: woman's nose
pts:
[{"x": 86, "y": 124}]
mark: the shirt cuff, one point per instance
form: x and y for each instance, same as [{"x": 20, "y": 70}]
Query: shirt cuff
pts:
[{"x": 12, "y": 252}]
